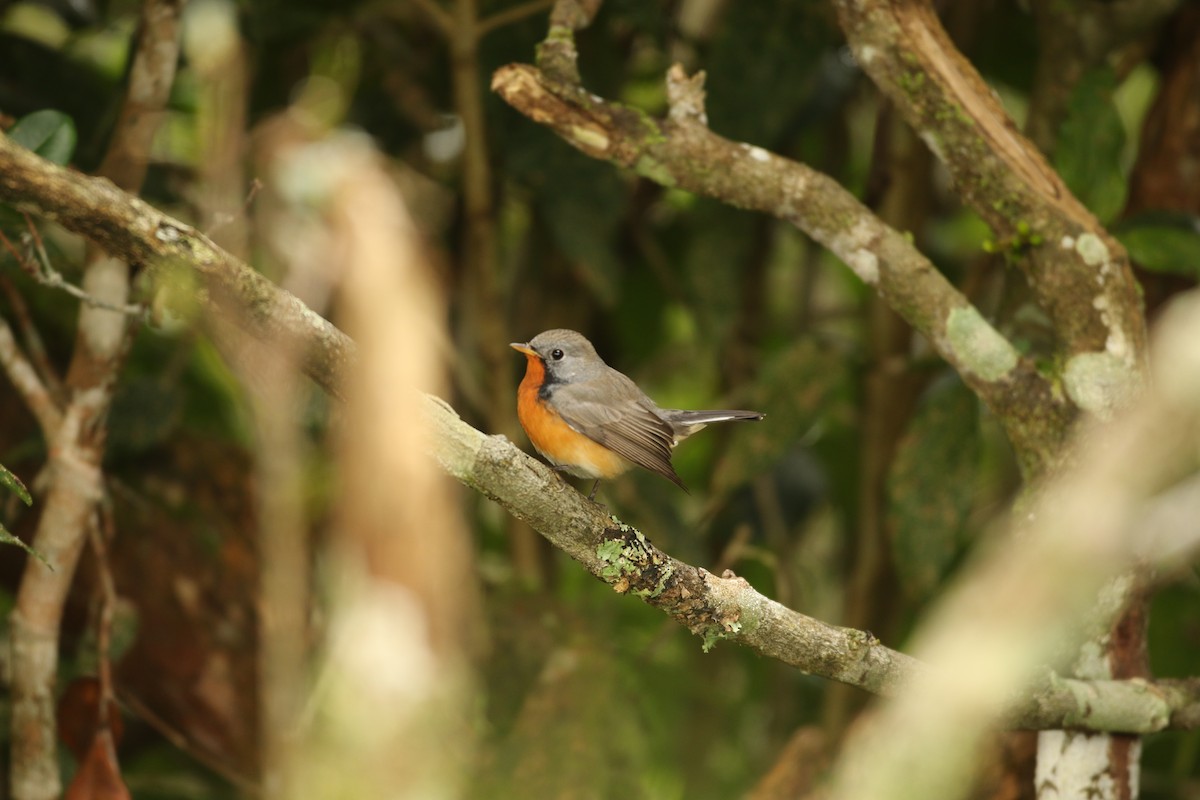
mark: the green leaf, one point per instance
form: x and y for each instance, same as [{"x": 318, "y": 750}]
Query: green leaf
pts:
[
  {"x": 1088, "y": 154},
  {"x": 8, "y": 538},
  {"x": 13, "y": 483},
  {"x": 49, "y": 133},
  {"x": 1163, "y": 242},
  {"x": 932, "y": 486}
]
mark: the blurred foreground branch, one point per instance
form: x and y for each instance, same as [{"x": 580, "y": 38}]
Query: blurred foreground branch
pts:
[
  {"x": 1058, "y": 578},
  {"x": 714, "y": 607},
  {"x": 175, "y": 254}
]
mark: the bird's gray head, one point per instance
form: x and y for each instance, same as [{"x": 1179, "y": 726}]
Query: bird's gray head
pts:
[{"x": 568, "y": 356}]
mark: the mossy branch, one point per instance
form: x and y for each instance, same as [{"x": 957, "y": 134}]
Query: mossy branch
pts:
[
  {"x": 682, "y": 152},
  {"x": 714, "y": 607},
  {"x": 1080, "y": 275}
]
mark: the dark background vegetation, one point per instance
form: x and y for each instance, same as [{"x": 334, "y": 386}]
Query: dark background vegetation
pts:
[{"x": 870, "y": 479}]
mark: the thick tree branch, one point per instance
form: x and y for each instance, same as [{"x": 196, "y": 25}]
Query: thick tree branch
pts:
[
  {"x": 682, "y": 152},
  {"x": 1079, "y": 274},
  {"x": 714, "y": 607},
  {"x": 1129, "y": 706},
  {"x": 138, "y": 233}
]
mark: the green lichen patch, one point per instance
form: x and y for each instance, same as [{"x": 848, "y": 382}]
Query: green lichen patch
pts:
[
  {"x": 715, "y": 633},
  {"x": 1099, "y": 382},
  {"x": 1092, "y": 250},
  {"x": 979, "y": 346},
  {"x": 631, "y": 564},
  {"x": 655, "y": 170}
]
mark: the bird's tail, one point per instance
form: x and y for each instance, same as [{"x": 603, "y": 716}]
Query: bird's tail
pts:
[{"x": 685, "y": 423}]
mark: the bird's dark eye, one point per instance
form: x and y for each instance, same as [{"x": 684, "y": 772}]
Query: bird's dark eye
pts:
[{"x": 556, "y": 354}]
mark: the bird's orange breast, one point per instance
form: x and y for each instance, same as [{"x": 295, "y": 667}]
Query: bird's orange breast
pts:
[{"x": 554, "y": 438}]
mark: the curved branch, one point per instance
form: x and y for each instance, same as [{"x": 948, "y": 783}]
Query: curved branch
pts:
[
  {"x": 713, "y": 607},
  {"x": 1080, "y": 275},
  {"x": 682, "y": 152},
  {"x": 138, "y": 233}
]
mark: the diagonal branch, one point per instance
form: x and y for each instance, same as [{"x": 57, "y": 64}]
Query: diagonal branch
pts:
[
  {"x": 1080, "y": 275},
  {"x": 510, "y": 15},
  {"x": 439, "y": 16},
  {"x": 714, "y": 607},
  {"x": 34, "y": 345},
  {"x": 681, "y": 152},
  {"x": 138, "y": 233},
  {"x": 24, "y": 378}
]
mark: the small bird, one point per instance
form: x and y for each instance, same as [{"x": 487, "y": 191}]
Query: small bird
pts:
[{"x": 593, "y": 422}]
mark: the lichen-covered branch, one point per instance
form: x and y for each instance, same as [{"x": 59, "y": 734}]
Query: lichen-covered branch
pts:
[
  {"x": 138, "y": 233},
  {"x": 715, "y": 607},
  {"x": 711, "y": 606},
  {"x": 1080, "y": 275},
  {"x": 1130, "y": 706},
  {"x": 682, "y": 152},
  {"x": 1056, "y": 581},
  {"x": 728, "y": 608}
]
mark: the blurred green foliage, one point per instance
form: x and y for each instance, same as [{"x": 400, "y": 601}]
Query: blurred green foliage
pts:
[{"x": 587, "y": 694}]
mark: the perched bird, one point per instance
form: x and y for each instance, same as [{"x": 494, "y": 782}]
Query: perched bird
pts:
[{"x": 591, "y": 421}]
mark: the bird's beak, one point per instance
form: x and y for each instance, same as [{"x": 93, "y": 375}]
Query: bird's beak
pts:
[{"x": 523, "y": 347}]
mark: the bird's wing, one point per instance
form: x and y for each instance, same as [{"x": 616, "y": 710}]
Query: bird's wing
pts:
[{"x": 616, "y": 414}]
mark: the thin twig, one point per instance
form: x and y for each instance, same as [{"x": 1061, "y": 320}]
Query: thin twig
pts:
[
  {"x": 221, "y": 220},
  {"x": 439, "y": 16},
  {"x": 34, "y": 346},
  {"x": 47, "y": 275},
  {"x": 510, "y": 15},
  {"x": 40, "y": 270},
  {"x": 25, "y": 378},
  {"x": 181, "y": 742},
  {"x": 101, "y": 529}
]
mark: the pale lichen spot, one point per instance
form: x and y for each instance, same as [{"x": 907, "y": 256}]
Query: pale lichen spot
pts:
[
  {"x": 978, "y": 345},
  {"x": 1068, "y": 243},
  {"x": 591, "y": 138},
  {"x": 1100, "y": 383},
  {"x": 758, "y": 154},
  {"x": 1117, "y": 345},
  {"x": 1092, "y": 250},
  {"x": 854, "y": 248},
  {"x": 1078, "y": 760},
  {"x": 865, "y": 55},
  {"x": 865, "y": 265}
]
